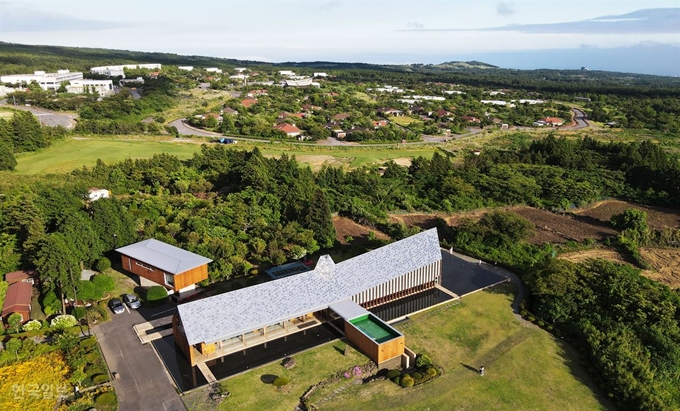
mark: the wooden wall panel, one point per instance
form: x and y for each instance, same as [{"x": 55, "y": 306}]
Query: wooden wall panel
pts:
[
  {"x": 157, "y": 275},
  {"x": 390, "y": 349},
  {"x": 181, "y": 340},
  {"x": 362, "y": 342},
  {"x": 190, "y": 277}
]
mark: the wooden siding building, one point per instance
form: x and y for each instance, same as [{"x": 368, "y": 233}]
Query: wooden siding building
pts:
[
  {"x": 216, "y": 326},
  {"x": 158, "y": 263}
]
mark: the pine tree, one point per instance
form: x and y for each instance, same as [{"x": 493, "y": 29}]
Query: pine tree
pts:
[
  {"x": 7, "y": 160},
  {"x": 28, "y": 135},
  {"x": 319, "y": 220}
]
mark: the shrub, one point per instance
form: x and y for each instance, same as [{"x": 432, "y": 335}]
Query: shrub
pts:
[
  {"x": 423, "y": 361},
  {"x": 63, "y": 321},
  {"x": 392, "y": 373},
  {"x": 92, "y": 357},
  {"x": 103, "y": 283},
  {"x": 280, "y": 381},
  {"x": 102, "y": 264},
  {"x": 79, "y": 313},
  {"x": 32, "y": 325},
  {"x": 432, "y": 372},
  {"x": 102, "y": 310},
  {"x": 91, "y": 370},
  {"x": 396, "y": 379},
  {"x": 88, "y": 342},
  {"x": 106, "y": 398},
  {"x": 14, "y": 322},
  {"x": 531, "y": 318},
  {"x": 51, "y": 303},
  {"x": 540, "y": 323},
  {"x": 157, "y": 293},
  {"x": 406, "y": 381},
  {"x": 417, "y": 376},
  {"x": 100, "y": 378}
]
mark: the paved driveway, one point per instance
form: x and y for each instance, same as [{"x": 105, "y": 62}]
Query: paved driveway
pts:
[
  {"x": 143, "y": 384},
  {"x": 464, "y": 275}
]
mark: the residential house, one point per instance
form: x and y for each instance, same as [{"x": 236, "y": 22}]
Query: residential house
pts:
[
  {"x": 216, "y": 116},
  {"x": 471, "y": 119},
  {"x": 257, "y": 93},
  {"x": 18, "y": 300},
  {"x": 289, "y": 129},
  {"x": 338, "y": 133},
  {"x": 553, "y": 121},
  {"x": 27, "y": 276},
  {"x": 390, "y": 112},
  {"x": 341, "y": 116},
  {"x": 230, "y": 111},
  {"x": 249, "y": 101},
  {"x": 95, "y": 194},
  {"x": 311, "y": 108},
  {"x": 379, "y": 123},
  {"x": 213, "y": 70},
  {"x": 158, "y": 263}
]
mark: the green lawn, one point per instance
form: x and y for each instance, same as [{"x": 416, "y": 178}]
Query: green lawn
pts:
[
  {"x": 249, "y": 392},
  {"x": 70, "y": 154},
  {"x": 526, "y": 367},
  {"x": 404, "y": 120}
]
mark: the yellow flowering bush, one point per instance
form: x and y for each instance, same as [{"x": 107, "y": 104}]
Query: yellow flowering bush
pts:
[{"x": 33, "y": 384}]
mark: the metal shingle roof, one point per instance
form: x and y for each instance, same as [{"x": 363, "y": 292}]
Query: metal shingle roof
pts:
[
  {"x": 241, "y": 311},
  {"x": 167, "y": 257}
]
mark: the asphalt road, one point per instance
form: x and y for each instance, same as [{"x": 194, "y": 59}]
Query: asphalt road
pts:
[
  {"x": 580, "y": 119},
  {"x": 144, "y": 383},
  {"x": 51, "y": 118},
  {"x": 186, "y": 130}
]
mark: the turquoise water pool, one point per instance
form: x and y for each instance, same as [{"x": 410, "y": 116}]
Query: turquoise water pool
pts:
[{"x": 374, "y": 328}]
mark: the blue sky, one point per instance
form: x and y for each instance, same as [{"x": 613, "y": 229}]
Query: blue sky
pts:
[{"x": 639, "y": 36}]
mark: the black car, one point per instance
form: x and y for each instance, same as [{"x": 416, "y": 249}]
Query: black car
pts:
[{"x": 116, "y": 306}]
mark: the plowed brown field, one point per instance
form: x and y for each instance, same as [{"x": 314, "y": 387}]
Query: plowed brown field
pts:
[
  {"x": 559, "y": 228},
  {"x": 657, "y": 217},
  {"x": 665, "y": 263},
  {"x": 345, "y": 226},
  {"x": 597, "y": 253}
]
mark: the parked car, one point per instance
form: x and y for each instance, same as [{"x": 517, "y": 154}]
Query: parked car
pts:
[
  {"x": 132, "y": 301},
  {"x": 116, "y": 306}
]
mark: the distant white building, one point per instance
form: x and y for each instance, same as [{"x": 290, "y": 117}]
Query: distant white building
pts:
[
  {"x": 430, "y": 98},
  {"x": 213, "y": 70},
  {"x": 124, "y": 82},
  {"x": 286, "y": 73},
  {"x": 496, "y": 93},
  {"x": 4, "y": 90},
  {"x": 47, "y": 81},
  {"x": 239, "y": 76},
  {"x": 495, "y": 102},
  {"x": 185, "y": 68},
  {"x": 320, "y": 75},
  {"x": 103, "y": 87},
  {"x": 240, "y": 69},
  {"x": 95, "y": 194},
  {"x": 119, "y": 70},
  {"x": 453, "y": 92}
]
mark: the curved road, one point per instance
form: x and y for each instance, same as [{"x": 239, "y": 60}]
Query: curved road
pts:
[
  {"x": 580, "y": 119},
  {"x": 50, "y": 118}
]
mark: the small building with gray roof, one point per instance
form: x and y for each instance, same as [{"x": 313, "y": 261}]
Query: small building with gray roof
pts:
[
  {"x": 219, "y": 325},
  {"x": 158, "y": 263}
]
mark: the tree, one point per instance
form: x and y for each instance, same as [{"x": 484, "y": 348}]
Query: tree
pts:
[
  {"x": 58, "y": 264},
  {"x": 319, "y": 220},
  {"x": 13, "y": 345},
  {"x": 14, "y": 321},
  {"x": 7, "y": 160},
  {"x": 28, "y": 135}
]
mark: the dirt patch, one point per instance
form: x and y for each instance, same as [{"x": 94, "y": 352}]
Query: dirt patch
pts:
[
  {"x": 657, "y": 217},
  {"x": 403, "y": 161},
  {"x": 597, "y": 253},
  {"x": 559, "y": 228},
  {"x": 347, "y": 227},
  {"x": 665, "y": 263},
  {"x": 316, "y": 162}
]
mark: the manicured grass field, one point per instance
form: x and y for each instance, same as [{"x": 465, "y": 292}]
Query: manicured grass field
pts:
[
  {"x": 68, "y": 155},
  {"x": 404, "y": 120},
  {"x": 526, "y": 367},
  {"x": 249, "y": 392},
  {"x": 65, "y": 156}
]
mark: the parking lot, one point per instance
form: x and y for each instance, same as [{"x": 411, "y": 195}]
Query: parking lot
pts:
[{"x": 144, "y": 383}]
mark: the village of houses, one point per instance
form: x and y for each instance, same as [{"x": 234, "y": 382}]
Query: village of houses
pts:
[{"x": 318, "y": 105}]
